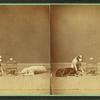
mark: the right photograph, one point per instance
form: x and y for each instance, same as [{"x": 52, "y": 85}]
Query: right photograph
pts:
[{"x": 75, "y": 49}]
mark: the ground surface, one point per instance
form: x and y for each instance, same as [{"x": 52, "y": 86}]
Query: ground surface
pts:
[
  {"x": 72, "y": 85},
  {"x": 25, "y": 85}
]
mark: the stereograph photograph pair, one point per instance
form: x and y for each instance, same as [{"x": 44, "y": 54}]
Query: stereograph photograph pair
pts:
[{"x": 50, "y": 50}]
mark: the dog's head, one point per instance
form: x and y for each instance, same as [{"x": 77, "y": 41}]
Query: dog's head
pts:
[{"x": 80, "y": 58}]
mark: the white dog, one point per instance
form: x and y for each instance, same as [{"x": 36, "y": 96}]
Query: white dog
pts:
[
  {"x": 31, "y": 70},
  {"x": 76, "y": 63}
]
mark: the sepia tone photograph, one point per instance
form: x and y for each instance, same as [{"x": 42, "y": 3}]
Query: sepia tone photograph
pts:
[
  {"x": 49, "y": 50},
  {"x": 75, "y": 49},
  {"x": 24, "y": 50}
]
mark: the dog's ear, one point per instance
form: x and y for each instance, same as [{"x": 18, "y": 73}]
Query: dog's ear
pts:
[{"x": 77, "y": 58}]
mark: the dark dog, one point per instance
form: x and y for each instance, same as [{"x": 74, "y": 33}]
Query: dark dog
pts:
[{"x": 65, "y": 72}]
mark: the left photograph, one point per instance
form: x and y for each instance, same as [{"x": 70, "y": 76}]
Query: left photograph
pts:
[{"x": 24, "y": 50}]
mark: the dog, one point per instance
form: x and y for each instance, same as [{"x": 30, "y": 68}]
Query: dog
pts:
[
  {"x": 75, "y": 68},
  {"x": 33, "y": 70},
  {"x": 61, "y": 72},
  {"x": 76, "y": 63}
]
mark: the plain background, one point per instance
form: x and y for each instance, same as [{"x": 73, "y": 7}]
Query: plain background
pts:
[
  {"x": 25, "y": 33},
  {"x": 75, "y": 30}
]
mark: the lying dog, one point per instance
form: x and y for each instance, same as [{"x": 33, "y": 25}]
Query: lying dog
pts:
[
  {"x": 33, "y": 69},
  {"x": 65, "y": 72}
]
